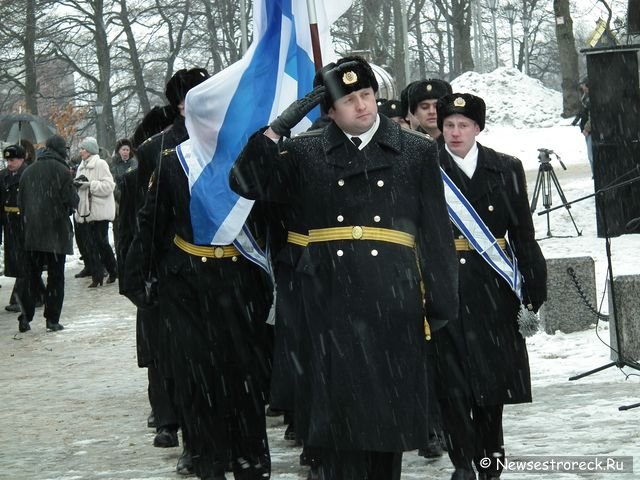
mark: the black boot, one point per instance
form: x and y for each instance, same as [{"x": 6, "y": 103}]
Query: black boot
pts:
[
  {"x": 83, "y": 273},
  {"x": 95, "y": 282},
  {"x": 185, "y": 463},
  {"x": 54, "y": 326},
  {"x": 245, "y": 469},
  {"x": 23, "y": 324},
  {"x": 433, "y": 449},
  {"x": 12, "y": 307},
  {"x": 166, "y": 438}
]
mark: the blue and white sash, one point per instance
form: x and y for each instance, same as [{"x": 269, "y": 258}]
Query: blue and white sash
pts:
[
  {"x": 465, "y": 217},
  {"x": 244, "y": 241},
  {"x": 249, "y": 248}
]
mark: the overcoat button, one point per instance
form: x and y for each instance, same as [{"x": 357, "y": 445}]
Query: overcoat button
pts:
[
  {"x": 340, "y": 218},
  {"x": 341, "y": 182},
  {"x": 380, "y": 183},
  {"x": 461, "y": 237},
  {"x": 234, "y": 258},
  {"x": 374, "y": 253},
  {"x": 339, "y": 253},
  {"x": 463, "y": 261},
  {"x": 376, "y": 218},
  {"x": 204, "y": 259},
  {"x": 490, "y": 208}
]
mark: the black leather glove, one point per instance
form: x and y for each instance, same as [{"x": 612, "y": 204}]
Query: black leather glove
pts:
[
  {"x": 297, "y": 111},
  {"x": 81, "y": 182},
  {"x": 533, "y": 302},
  {"x": 142, "y": 298}
]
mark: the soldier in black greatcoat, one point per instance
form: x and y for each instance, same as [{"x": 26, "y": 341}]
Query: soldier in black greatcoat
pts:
[
  {"x": 482, "y": 356},
  {"x": 12, "y": 233},
  {"x": 163, "y": 129},
  {"x": 216, "y": 304},
  {"x": 377, "y": 277}
]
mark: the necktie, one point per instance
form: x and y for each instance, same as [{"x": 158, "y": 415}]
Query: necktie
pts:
[{"x": 356, "y": 141}]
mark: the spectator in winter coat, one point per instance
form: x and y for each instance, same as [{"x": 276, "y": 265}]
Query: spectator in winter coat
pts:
[
  {"x": 46, "y": 199},
  {"x": 95, "y": 210},
  {"x": 123, "y": 161}
]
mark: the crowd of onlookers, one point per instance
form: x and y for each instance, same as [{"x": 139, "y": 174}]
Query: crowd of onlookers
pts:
[{"x": 49, "y": 197}]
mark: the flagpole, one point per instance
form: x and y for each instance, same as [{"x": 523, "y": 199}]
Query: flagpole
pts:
[{"x": 315, "y": 36}]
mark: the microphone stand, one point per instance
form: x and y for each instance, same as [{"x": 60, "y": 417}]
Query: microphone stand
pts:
[{"x": 620, "y": 362}]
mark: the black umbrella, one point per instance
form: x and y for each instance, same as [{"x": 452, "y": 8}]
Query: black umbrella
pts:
[{"x": 17, "y": 126}]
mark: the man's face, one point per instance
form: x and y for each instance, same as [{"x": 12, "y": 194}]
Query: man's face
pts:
[
  {"x": 459, "y": 133},
  {"x": 355, "y": 113},
  {"x": 14, "y": 164},
  {"x": 426, "y": 114}
]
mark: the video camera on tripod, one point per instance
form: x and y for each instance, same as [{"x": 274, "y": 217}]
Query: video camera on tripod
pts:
[
  {"x": 545, "y": 156},
  {"x": 547, "y": 178}
]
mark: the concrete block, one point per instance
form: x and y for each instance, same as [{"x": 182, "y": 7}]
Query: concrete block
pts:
[
  {"x": 627, "y": 294},
  {"x": 571, "y": 283}
]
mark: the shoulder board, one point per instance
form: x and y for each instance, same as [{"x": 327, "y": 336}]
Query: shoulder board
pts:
[
  {"x": 310, "y": 133},
  {"x": 418, "y": 134},
  {"x": 152, "y": 138}
]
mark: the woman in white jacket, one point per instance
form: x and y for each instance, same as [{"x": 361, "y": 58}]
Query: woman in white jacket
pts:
[{"x": 96, "y": 209}]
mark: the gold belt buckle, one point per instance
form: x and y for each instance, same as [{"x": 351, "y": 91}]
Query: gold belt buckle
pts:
[
  {"x": 357, "y": 232},
  {"x": 218, "y": 252}
]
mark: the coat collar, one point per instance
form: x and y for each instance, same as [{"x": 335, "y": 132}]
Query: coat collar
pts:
[
  {"x": 340, "y": 152},
  {"x": 485, "y": 179},
  {"x": 90, "y": 162}
]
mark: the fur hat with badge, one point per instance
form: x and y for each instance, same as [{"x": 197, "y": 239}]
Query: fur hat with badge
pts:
[
  {"x": 404, "y": 98},
  {"x": 430, "y": 89},
  {"x": 350, "y": 74},
  {"x": 13, "y": 151},
  {"x": 181, "y": 82},
  {"x": 89, "y": 144},
  {"x": 390, "y": 108},
  {"x": 463, "y": 103}
]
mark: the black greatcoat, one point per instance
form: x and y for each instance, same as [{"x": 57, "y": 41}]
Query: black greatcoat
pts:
[
  {"x": 151, "y": 333},
  {"x": 215, "y": 311},
  {"x": 47, "y": 198},
  {"x": 12, "y": 223},
  {"x": 482, "y": 354},
  {"x": 364, "y": 311}
]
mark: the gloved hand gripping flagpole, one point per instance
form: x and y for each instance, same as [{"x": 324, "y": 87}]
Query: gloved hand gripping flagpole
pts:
[{"x": 315, "y": 36}]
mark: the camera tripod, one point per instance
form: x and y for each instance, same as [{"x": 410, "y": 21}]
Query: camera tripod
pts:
[{"x": 547, "y": 176}]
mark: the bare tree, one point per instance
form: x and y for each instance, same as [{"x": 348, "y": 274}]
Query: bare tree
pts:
[
  {"x": 458, "y": 16},
  {"x": 124, "y": 17},
  {"x": 18, "y": 49},
  {"x": 568, "y": 57}
]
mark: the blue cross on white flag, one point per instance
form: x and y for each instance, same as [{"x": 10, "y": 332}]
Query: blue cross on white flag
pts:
[{"x": 222, "y": 112}]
